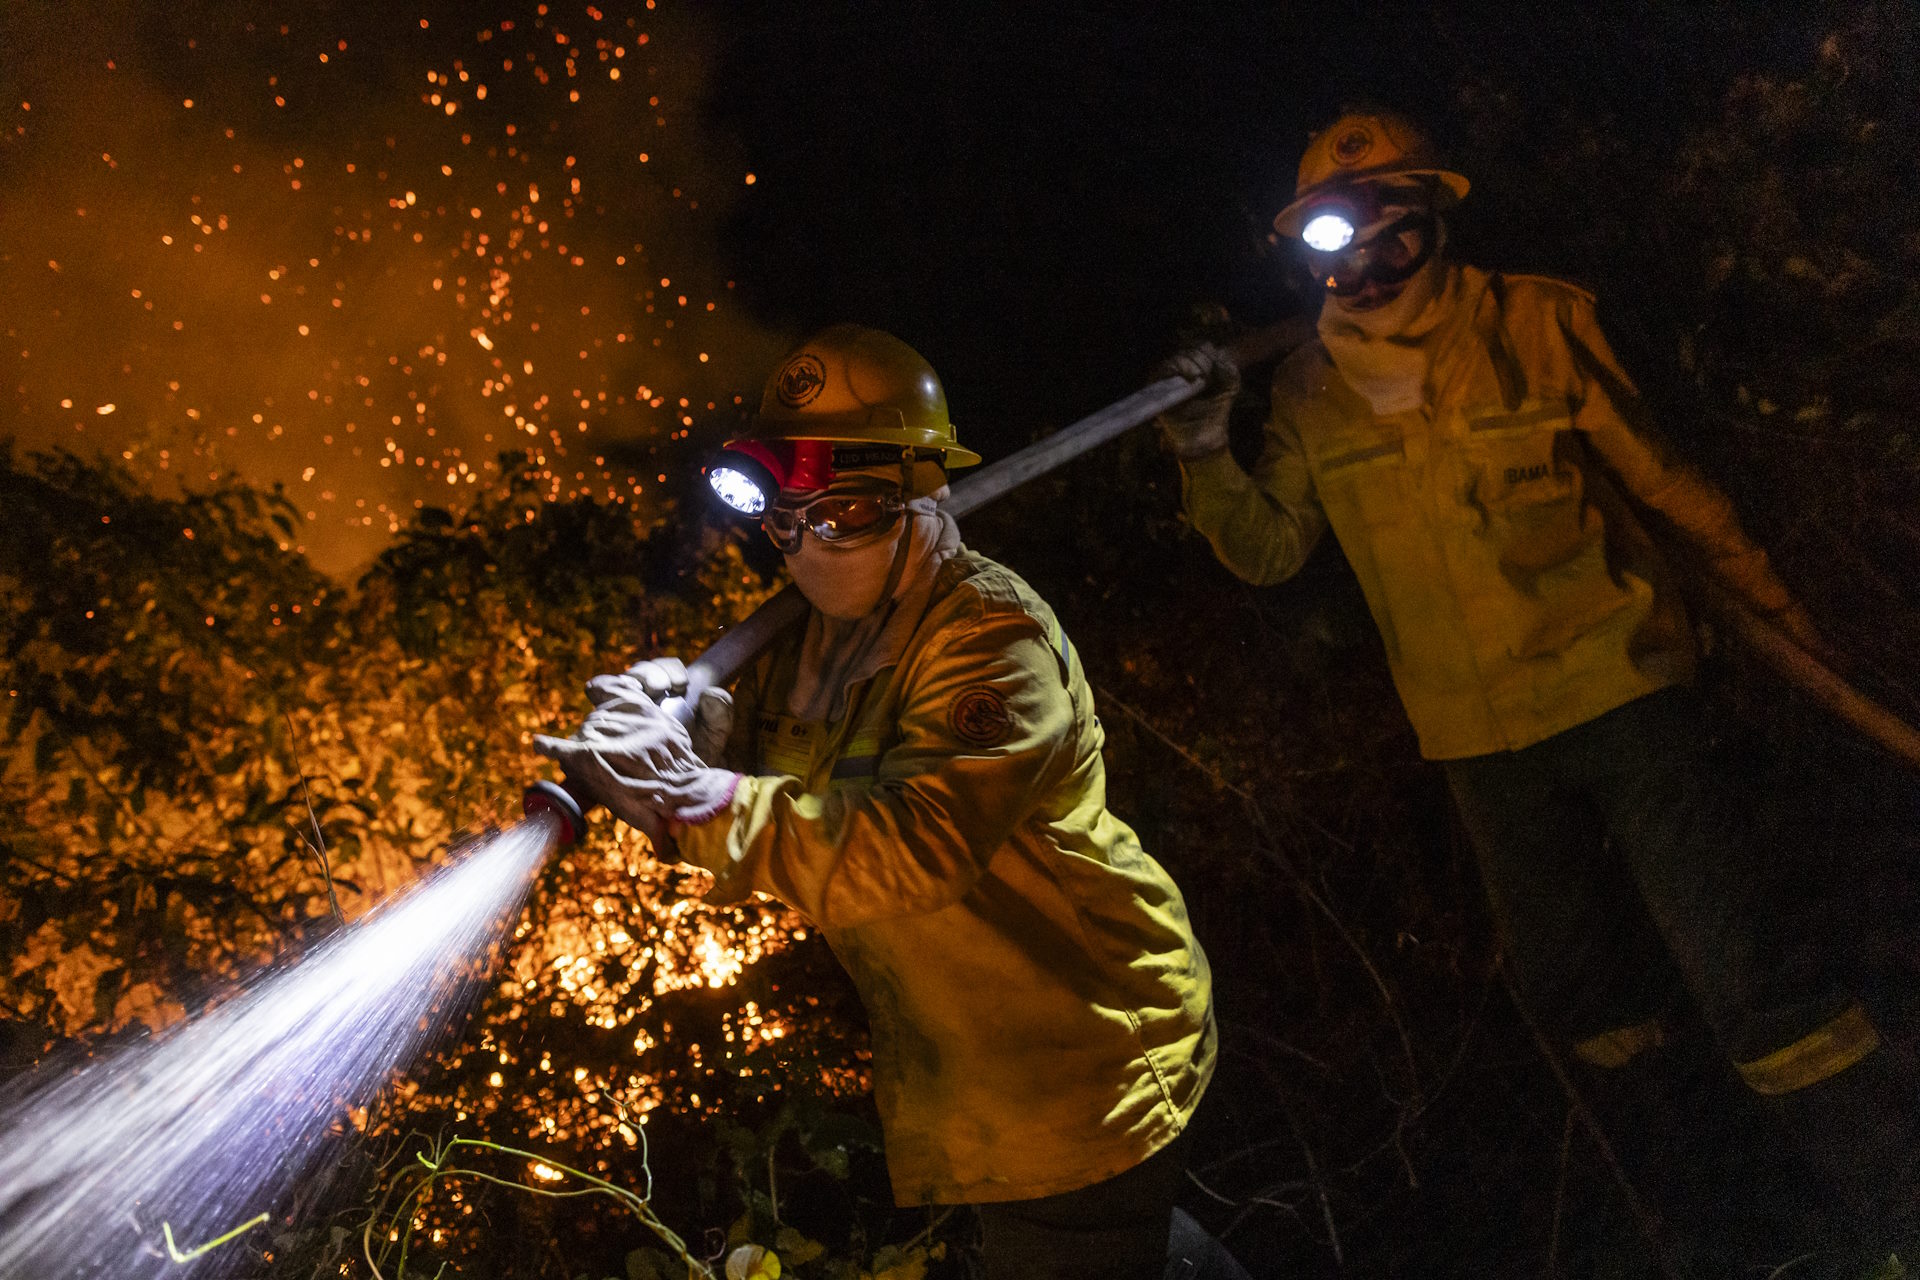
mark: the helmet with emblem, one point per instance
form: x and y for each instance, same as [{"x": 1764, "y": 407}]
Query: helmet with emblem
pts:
[
  {"x": 854, "y": 385},
  {"x": 1365, "y": 146},
  {"x": 847, "y": 399}
]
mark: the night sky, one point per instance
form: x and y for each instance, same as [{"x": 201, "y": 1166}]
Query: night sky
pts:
[{"x": 360, "y": 249}]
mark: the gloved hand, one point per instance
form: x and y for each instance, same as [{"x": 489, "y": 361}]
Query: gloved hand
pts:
[
  {"x": 665, "y": 682},
  {"x": 639, "y": 761},
  {"x": 1199, "y": 426}
]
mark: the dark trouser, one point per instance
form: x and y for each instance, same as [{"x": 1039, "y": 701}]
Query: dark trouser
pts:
[
  {"x": 1618, "y": 854},
  {"x": 1113, "y": 1230}
]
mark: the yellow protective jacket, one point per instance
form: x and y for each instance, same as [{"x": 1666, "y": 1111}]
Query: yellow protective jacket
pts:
[
  {"x": 1497, "y": 531},
  {"x": 1041, "y": 1013}
]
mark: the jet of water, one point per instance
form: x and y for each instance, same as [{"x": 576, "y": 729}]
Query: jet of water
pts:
[{"x": 214, "y": 1122}]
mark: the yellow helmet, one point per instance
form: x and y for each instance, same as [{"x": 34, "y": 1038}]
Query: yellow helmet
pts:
[
  {"x": 855, "y": 385},
  {"x": 1363, "y": 147}
]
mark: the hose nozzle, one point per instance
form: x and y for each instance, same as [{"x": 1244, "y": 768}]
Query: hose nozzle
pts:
[{"x": 551, "y": 797}]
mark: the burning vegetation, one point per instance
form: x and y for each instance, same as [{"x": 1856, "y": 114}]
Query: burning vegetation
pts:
[
  {"x": 425, "y": 299},
  {"x": 170, "y": 776}
]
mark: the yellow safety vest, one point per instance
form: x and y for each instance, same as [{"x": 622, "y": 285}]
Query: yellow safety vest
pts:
[
  {"x": 1041, "y": 1013},
  {"x": 1496, "y": 531}
]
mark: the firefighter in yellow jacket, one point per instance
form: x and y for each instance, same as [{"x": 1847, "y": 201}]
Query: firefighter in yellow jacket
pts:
[
  {"x": 918, "y": 772},
  {"x": 1487, "y": 467}
]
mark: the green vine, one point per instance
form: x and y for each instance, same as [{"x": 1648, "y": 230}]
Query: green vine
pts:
[
  {"x": 173, "y": 1251},
  {"x": 440, "y": 1166}
]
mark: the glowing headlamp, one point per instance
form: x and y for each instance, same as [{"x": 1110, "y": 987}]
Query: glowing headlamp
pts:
[
  {"x": 749, "y": 474},
  {"x": 1328, "y": 231},
  {"x": 1399, "y": 237},
  {"x": 738, "y": 487}
]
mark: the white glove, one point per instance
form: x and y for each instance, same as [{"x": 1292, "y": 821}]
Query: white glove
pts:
[
  {"x": 637, "y": 760},
  {"x": 665, "y": 681},
  {"x": 1198, "y": 426}
]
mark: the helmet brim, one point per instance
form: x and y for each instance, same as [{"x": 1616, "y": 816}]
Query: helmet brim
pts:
[
  {"x": 953, "y": 455},
  {"x": 1453, "y": 188}
]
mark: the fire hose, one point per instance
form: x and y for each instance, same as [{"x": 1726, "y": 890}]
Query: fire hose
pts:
[
  {"x": 1827, "y": 687},
  {"x": 728, "y": 655}
]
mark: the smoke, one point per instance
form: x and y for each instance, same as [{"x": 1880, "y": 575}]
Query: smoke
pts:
[{"x": 359, "y": 255}]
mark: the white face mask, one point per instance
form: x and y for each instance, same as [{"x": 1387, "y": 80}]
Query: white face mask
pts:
[{"x": 846, "y": 583}]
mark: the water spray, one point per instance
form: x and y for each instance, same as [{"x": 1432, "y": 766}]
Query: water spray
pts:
[{"x": 210, "y": 1127}]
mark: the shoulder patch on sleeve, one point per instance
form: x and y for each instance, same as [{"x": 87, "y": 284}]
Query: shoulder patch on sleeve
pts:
[{"x": 979, "y": 716}]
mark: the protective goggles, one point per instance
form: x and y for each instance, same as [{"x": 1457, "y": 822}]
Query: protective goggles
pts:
[
  {"x": 1355, "y": 238},
  {"x": 855, "y": 512}
]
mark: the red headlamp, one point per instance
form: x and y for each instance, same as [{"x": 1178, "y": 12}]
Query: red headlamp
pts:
[{"x": 749, "y": 474}]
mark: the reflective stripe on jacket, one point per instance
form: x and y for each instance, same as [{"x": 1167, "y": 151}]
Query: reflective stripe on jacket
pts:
[
  {"x": 1496, "y": 531},
  {"x": 1041, "y": 1014}
]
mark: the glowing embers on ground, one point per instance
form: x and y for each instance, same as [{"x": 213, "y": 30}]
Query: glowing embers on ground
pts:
[
  {"x": 620, "y": 949},
  {"x": 212, "y": 1124}
]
